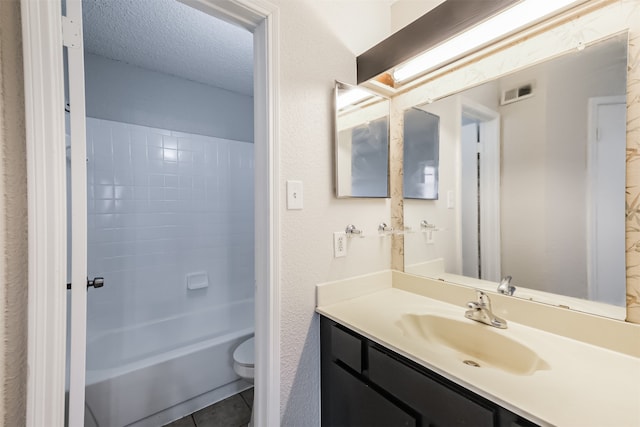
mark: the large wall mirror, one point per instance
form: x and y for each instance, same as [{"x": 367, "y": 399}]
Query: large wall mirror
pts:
[
  {"x": 532, "y": 183},
  {"x": 361, "y": 142}
]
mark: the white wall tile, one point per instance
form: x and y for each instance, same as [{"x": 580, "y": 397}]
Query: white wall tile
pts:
[
  {"x": 138, "y": 136},
  {"x": 139, "y": 152},
  {"x": 170, "y": 142},
  {"x": 154, "y": 139},
  {"x": 155, "y": 153},
  {"x": 162, "y": 204}
]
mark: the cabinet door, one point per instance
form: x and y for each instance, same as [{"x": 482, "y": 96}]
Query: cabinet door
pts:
[
  {"x": 437, "y": 403},
  {"x": 352, "y": 403},
  {"x": 346, "y": 348},
  {"x": 346, "y": 398}
]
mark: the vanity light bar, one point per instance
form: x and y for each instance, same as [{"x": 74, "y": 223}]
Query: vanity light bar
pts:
[{"x": 507, "y": 21}]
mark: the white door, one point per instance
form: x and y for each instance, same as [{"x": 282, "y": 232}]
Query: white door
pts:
[
  {"x": 72, "y": 38},
  {"x": 469, "y": 199},
  {"x": 607, "y": 136}
]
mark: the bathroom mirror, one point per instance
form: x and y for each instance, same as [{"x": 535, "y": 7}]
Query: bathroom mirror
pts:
[
  {"x": 361, "y": 142},
  {"x": 421, "y": 143},
  {"x": 533, "y": 166}
]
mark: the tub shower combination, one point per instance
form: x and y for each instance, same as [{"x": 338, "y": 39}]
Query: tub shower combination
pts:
[
  {"x": 170, "y": 227},
  {"x": 135, "y": 373}
]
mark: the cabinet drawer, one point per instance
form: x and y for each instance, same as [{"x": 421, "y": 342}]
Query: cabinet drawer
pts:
[
  {"x": 346, "y": 348},
  {"x": 437, "y": 403}
]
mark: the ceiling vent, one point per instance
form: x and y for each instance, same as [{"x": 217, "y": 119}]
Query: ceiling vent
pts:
[{"x": 516, "y": 94}]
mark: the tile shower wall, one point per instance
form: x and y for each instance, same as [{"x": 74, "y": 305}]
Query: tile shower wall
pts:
[{"x": 162, "y": 205}]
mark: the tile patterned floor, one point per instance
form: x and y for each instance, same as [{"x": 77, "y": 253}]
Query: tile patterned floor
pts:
[{"x": 234, "y": 411}]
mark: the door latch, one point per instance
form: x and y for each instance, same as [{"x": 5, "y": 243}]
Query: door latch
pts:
[{"x": 97, "y": 282}]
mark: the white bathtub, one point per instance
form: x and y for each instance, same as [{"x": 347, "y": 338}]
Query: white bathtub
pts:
[{"x": 139, "y": 372}]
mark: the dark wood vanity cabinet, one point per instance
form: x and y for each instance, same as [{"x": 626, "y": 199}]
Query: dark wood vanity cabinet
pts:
[{"x": 366, "y": 384}]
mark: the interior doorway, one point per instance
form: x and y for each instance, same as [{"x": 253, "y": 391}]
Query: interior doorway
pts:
[
  {"x": 43, "y": 43},
  {"x": 170, "y": 210},
  {"x": 479, "y": 191},
  {"x": 606, "y": 200}
]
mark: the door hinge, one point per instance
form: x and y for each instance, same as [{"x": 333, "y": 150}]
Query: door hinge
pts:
[{"x": 71, "y": 33}]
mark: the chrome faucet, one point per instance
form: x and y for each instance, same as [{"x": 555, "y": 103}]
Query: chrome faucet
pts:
[
  {"x": 505, "y": 287},
  {"x": 480, "y": 311},
  {"x": 352, "y": 230}
]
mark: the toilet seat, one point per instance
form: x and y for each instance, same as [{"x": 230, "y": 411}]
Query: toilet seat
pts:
[
  {"x": 243, "y": 359},
  {"x": 244, "y": 353},
  {"x": 244, "y": 372}
]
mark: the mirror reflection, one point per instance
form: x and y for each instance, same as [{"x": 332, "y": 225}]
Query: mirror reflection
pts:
[
  {"x": 361, "y": 142},
  {"x": 533, "y": 165},
  {"x": 420, "y": 154}
]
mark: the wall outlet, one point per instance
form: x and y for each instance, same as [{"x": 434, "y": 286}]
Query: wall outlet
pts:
[
  {"x": 339, "y": 244},
  {"x": 430, "y": 237}
]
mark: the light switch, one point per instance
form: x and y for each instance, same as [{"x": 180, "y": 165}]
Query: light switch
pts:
[
  {"x": 294, "y": 195},
  {"x": 451, "y": 201}
]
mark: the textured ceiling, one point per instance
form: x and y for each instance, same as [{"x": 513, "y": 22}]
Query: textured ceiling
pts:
[{"x": 169, "y": 37}]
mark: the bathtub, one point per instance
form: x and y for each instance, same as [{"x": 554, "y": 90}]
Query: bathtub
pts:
[{"x": 137, "y": 373}]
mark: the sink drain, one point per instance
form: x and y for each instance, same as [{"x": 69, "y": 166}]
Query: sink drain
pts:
[{"x": 471, "y": 363}]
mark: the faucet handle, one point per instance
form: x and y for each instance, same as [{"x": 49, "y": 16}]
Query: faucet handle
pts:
[
  {"x": 483, "y": 299},
  {"x": 352, "y": 230},
  {"x": 505, "y": 287},
  {"x": 473, "y": 305}
]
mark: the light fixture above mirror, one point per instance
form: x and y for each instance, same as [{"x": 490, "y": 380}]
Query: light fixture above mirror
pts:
[
  {"x": 514, "y": 18},
  {"x": 452, "y": 30}
]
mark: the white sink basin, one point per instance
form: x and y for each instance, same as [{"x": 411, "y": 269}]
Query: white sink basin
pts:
[{"x": 474, "y": 343}]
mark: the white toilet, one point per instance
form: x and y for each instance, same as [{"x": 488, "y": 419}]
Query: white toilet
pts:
[
  {"x": 243, "y": 360},
  {"x": 243, "y": 364}
]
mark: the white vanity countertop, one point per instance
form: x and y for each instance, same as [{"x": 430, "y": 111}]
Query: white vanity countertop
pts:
[{"x": 586, "y": 385}]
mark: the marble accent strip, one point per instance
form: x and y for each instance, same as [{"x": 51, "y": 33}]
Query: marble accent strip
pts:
[
  {"x": 396, "y": 175},
  {"x": 633, "y": 170}
]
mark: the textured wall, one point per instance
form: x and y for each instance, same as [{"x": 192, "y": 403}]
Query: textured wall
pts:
[
  {"x": 125, "y": 93},
  {"x": 311, "y": 58},
  {"x": 404, "y": 12},
  {"x": 358, "y": 24},
  {"x": 13, "y": 221}
]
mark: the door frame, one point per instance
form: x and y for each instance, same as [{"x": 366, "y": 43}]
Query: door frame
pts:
[
  {"x": 46, "y": 187},
  {"x": 592, "y": 141},
  {"x": 46, "y": 201},
  {"x": 489, "y": 188},
  {"x": 469, "y": 239}
]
